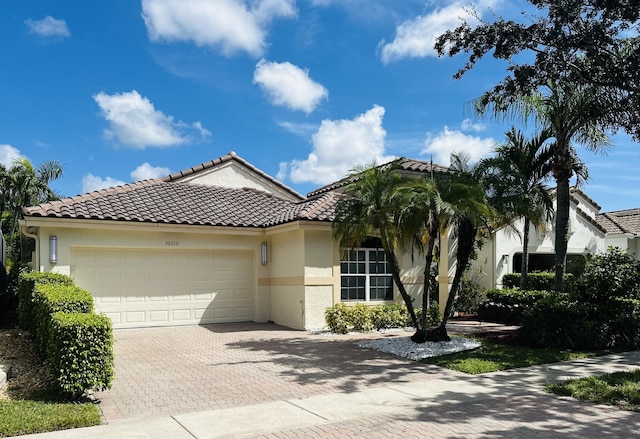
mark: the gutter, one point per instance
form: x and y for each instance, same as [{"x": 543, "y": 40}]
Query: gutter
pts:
[{"x": 25, "y": 231}]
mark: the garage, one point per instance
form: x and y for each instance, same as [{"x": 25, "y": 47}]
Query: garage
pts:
[{"x": 145, "y": 287}]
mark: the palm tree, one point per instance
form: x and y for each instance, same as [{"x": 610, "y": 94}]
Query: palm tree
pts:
[
  {"x": 365, "y": 209},
  {"x": 464, "y": 192},
  {"x": 570, "y": 113},
  {"x": 23, "y": 185},
  {"x": 422, "y": 220},
  {"x": 516, "y": 179}
]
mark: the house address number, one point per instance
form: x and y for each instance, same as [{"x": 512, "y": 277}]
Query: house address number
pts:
[{"x": 171, "y": 243}]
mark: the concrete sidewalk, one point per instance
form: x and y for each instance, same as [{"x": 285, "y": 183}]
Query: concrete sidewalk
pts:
[{"x": 508, "y": 404}]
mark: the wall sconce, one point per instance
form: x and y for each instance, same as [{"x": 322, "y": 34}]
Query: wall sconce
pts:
[
  {"x": 263, "y": 253},
  {"x": 505, "y": 259},
  {"x": 53, "y": 249}
]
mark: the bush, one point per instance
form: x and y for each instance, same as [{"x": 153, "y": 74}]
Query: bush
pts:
[
  {"x": 342, "y": 318},
  {"x": 51, "y": 298},
  {"x": 82, "y": 352},
  {"x": 470, "y": 295},
  {"x": 538, "y": 281},
  {"x": 516, "y": 296},
  {"x": 602, "y": 312},
  {"x": 389, "y": 316},
  {"x": 27, "y": 280},
  {"x": 433, "y": 316}
]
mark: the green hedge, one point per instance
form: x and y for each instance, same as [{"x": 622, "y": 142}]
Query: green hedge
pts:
[
  {"x": 51, "y": 298},
  {"x": 516, "y": 296},
  {"x": 342, "y": 318},
  {"x": 81, "y": 352},
  {"x": 77, "y": 343},
  {"x": 27, "y": 281},
  {"x": 538, "y": 281}
]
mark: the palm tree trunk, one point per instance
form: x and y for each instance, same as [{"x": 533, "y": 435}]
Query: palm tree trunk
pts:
[
  {"x": 426, "y": 287},
  {"x": 395, "y": 274},
  {"x": 562, "y": 230},
  {"x": 524, "y": 267}
]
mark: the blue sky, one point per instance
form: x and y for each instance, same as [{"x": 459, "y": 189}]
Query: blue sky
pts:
[{"x": 123, "y": 90}]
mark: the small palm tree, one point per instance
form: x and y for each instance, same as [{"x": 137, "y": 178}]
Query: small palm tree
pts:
[
  {"x": 365, "y": 209},
  {"x": 516, "y": 178}
]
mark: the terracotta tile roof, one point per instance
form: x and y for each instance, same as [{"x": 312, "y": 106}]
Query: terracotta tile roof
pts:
[
  {"x": 158, "y": 201},
  {"x": 409, "y": 165},
  {"x": 621, "y": 221}
]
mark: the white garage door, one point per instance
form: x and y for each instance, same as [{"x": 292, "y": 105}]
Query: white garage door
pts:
[{"x": 160, "y": 288}]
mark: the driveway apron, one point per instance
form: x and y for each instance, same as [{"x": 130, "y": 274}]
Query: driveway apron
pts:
[{"x": 174, "y": 370}]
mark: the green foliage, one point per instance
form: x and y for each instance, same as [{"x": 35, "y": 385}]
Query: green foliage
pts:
[
  {"x": 516, "y": 296},
  {"x": 390, "y": 316},
  {"x": 470, "y": 295},
  {"x": 620, "y": 389},
  {"x": 342, "y": 318},
  {"x": 81, "y": 352},
  {"x": 27, "y": 281},
  {"x": 51, "y": 298},
  {"x": 602, "y": 312},
  {"x": 540, "y": 281},
  {"x": 20, "y": 417},
  {"x": 337, "y": 318},
  {"x": 433, "y": 315}
]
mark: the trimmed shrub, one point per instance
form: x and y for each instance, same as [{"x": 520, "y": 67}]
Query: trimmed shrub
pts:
[
  {"x": 516, "y": 296},
  {"x": 51, "y": 298},
  {"x": 389, "y": 316},
  {"x": 359, "y": 317},
  {"x": 82, "y": 352},
  {"x": 337, "y": 318},
  {"x": 538, "y": 281},
  {"x": 433, "y": 315},
  {"x": 27, "y": 280}
]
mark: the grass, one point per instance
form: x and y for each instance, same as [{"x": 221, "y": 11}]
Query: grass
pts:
[
  {"x": 28, "y": 404},
  {"x": 500, "y": 354},
  {"x": 620, "y": 389},
  {"x": 24, "y": 416}
]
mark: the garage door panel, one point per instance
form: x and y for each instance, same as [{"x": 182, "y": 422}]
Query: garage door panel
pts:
[{"x": 158, "y": 288}]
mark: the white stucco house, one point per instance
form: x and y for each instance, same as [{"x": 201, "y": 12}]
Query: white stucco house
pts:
[{"x": 225, "y": 242}]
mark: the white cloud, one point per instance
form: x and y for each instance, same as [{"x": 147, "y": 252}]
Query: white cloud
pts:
[
  {"x": 49, "y": 27},
  {"x": 231, "y": 25},
  {"x": 145, "y": 172},
  {"x": 449, "y": 141},
  {"x": 469, "y": 125},
  {"x": 289, "y": 85},
  {"x": 8, "y": 154},
  {"x": 338, "y": 146},
  {"x": 134, "y": 121},
  {"x": 415, "y": 38},
  {"x": 92, "y": 183}
]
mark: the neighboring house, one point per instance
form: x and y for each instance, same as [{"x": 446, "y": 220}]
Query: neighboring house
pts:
[
  {"x": 502, "y": 253},
  {"x": 623, "y": 229},
  {"x": 224, "y": 242}
]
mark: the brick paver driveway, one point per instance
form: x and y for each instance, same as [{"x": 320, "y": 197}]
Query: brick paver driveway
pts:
[{"x": 168, "y": 371}]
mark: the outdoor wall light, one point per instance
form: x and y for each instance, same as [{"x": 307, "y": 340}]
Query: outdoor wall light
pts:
[
  {"x": 263, "y": 253},
  {"x": 53, "y": 249},
  {"x": 505, "y": 259}
]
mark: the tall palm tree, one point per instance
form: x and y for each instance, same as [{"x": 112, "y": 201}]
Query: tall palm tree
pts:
[
  {"x": 365, "y": 209},
  {"x": 570, "y": 113},
  {"x": 516, "y": 178}
]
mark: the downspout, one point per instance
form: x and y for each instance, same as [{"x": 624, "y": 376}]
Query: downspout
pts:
[{"x": 24, "y": 230}]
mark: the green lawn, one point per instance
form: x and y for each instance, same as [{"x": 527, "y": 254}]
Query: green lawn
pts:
[
  {"x": 620, "y": 389},
  {"x": 24, "y": 416},
  {"x": 494, "y": 355}
]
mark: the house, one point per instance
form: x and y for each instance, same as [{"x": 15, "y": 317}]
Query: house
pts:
[
  {"x": 623, "y": 229},
  {"x": 502, "y": 253},
  {"x": 219, "y": 242},
  {"x": 224, "y": 242}
]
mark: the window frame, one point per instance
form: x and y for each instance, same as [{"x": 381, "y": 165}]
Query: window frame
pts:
[{"x": 354, "y": 268}]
